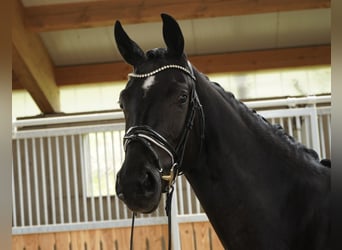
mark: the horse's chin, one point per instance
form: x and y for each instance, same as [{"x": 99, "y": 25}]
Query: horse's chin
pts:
[
  {"x": 145, "y": 206},
  {"x": 146, "y": 201}
]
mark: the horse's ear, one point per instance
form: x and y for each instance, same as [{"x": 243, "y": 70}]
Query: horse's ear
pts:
[
  {"x": 173, "y": 36},
  {"x": 129, "y": 50}
]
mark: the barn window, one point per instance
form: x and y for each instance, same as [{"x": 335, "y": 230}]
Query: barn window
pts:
[{"x": 103, "y": 156}]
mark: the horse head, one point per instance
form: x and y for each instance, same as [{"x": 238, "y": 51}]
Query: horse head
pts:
[{"x": 159, "y": 103}]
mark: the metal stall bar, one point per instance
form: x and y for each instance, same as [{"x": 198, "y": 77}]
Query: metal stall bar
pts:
[
  {"x": 88, "y": 178},
  {"x": 14, "y": 206},
  {"x": 28, "y": 182},
  {"x": 289, "y": 126},
  {"x": 180, "y": 199},
  {"x": 106, "y": 160},
  {"x": 314, "y": 130},
  {"x": 52, "y": 183},
  {"x": 59, "y": 181},
  {"x": 116, "y": 200},
  {"x": 321, "y": 134},
  {"x": 67, "y": 179},
  {"x": 98, "y": 164},
  {"x": 75, "y": 179},
  {"x": 298, "y": 129},
  {"x": 43, "y": 178},
  {"x": 83, "y": 178},
  {"x": 35, "y": 177},
  {"x": 20, "y": 182}
]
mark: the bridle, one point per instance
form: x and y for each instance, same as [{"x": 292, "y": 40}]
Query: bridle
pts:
[
  {"x": 148, "y": 136},
  {"x": 151, "y": 138}
]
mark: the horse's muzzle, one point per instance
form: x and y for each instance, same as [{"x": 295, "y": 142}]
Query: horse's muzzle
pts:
[{"x": 140, "y": 193}]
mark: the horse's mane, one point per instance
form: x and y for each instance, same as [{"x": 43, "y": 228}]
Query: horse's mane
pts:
[{"x": 275, "y": 131}]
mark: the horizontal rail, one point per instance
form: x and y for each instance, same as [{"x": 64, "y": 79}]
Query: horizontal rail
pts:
[
  {"x": 287, "y": 112},
  {"x": 150, "y": 221},
  {"x": 68, "y": 119},
  {"x": 76, "y": 130},
  {"x": 290, "y": 101}
]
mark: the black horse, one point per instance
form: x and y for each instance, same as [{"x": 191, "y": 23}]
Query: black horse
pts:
[{"x": 259, "y": 188}]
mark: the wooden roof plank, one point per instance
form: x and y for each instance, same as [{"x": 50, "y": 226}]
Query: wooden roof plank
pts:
[
  {"x": 32, "y": 66},
  {"x": 208, "y": 64},
  {"x": 103, "y": 13}
]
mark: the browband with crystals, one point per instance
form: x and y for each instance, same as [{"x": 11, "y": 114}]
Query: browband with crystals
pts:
[{"x": 169, "y": 66}]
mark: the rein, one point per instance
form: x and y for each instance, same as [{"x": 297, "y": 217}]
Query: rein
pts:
[{"x": 149, "y": 137}]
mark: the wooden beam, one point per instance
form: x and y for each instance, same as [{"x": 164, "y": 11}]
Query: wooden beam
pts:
[
  {"x": 92, "y": 73},
  {"x": 102, "y": 13},
  {"x": 32, "y": 66},
  {"x": 208, "y": 64},
  {"x": 15, "y": 82},
  {"x": 264, "y": 59}
]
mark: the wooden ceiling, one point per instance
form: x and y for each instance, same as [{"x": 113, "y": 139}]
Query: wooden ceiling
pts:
[{"x": 35, "y": 70}]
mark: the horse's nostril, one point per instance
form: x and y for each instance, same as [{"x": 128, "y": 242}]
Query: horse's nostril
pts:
[{"x": 148, "y": 181}]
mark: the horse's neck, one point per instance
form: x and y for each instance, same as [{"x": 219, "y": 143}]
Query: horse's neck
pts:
[
  {"x": 220, "y": 179},
  {"x": 231, "y": 171}
]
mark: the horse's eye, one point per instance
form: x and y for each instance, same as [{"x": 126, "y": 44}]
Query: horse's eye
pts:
[{"x": 182, "y": 99}]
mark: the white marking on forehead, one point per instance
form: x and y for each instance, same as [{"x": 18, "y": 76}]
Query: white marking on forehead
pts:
[{"x": 148, "y": 84}]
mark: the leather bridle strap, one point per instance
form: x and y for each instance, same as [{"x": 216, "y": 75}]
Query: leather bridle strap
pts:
[{"x": 149, "y": 137}]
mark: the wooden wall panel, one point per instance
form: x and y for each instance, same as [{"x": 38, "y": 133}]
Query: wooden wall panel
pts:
[
  {"x": 198, "y": 235},
  {"x": 47, "y": 241}
]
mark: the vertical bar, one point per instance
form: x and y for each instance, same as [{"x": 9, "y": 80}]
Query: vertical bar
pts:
[
  {"x": 329, "y": 129},
  {"x": 20, "y": 182},
  {"x": 175, "y": 224},
  {"x": 59, "y": 179},
  {"x": 76, "y": 196},
  {"x": 52, "y": 184},
  {"x": 43, "y": 178},
  {"x": 83, "y": 176},
  {"x": 28, "y": 182},
  {"x": 289, "y": 126},
  {"x": 180, "y": 195},
  {"x": 314, "y": 131},
  {"x": 116, "y": 206},
  {"x": 125, "y": 212},
  {"x": 100, "y": 198},
  {"x": 121, "y": 160},
  {"x": 14, "y": 207},
  {"x": 298, "y": 129},
  {"x": 109, "y": 207},
  {"x": 188, "y": 194},
  {"x": 67, "y": 179},
  {"x": 198, "y": 205},
  {"x": 157, "y": 213},
  {"x": 121, "y": 149},
  {"x": 35, "y": 173},
  {"x": 90, "y": 178},
  {"x": 322, "y": 138},
  {"x": 281, "y": 122},
  {"x": 308, "y": 140}
]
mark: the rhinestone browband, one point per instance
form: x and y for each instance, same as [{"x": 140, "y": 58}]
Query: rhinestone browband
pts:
[{"x": 170, "y": 66}]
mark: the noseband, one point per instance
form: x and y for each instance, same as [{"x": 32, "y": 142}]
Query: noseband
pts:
[{"x": 148, "y": 136}]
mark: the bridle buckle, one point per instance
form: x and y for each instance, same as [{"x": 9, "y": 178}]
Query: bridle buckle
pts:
[{"x": 171, "y": 177}]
